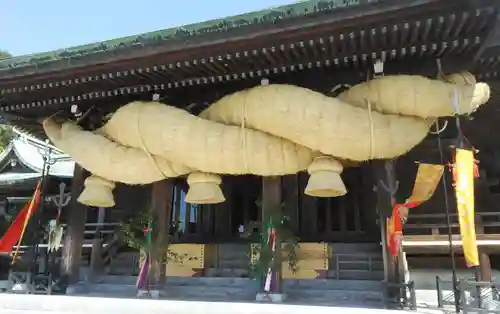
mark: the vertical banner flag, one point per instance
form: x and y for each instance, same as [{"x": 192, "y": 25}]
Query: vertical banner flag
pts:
[
  {"x": 428, "y": 177},
  {"x": 16, "y": 230},
  {"x": 464, "y": 188}
]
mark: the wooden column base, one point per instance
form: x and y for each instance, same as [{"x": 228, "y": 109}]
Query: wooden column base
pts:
[{"x": 485, "y": 273}]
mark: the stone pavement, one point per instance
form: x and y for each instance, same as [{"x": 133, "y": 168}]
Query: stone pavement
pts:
[{"x": 31, "y": 304}]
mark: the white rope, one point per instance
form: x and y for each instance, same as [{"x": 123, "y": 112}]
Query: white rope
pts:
[
  {"x": 372, "y": 132},
  {"x": 455, "y": 101},
  {"x": 244, "y": 133},
  {"x": 143, "y": 144}
]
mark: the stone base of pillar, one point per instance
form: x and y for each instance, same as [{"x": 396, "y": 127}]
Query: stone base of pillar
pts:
[
  {"x": 151, "y": 294},
  {"x": 270, "y": 297},
  {"x": 77, "y": 289}
]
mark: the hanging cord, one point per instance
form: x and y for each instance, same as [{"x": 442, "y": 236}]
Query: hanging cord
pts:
[
  {"x": 462, "y": 140},
  {"x": 448, "y": 222},
  {"x": 143, "y": 144},
  {"x": 244, "y": 133},
  {"x": 444, "y": 183},
  {"x": 370, "y": 121},
  {"x": 372, "y": 132}
]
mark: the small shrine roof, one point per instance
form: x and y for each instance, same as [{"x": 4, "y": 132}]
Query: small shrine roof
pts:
[{"x": 28, "y": 151}]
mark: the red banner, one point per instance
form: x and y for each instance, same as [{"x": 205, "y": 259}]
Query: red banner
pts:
[
  {"x": 428, "y": 177},
  {"x": 13, "y": 234}
]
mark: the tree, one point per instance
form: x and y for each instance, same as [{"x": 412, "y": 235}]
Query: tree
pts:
[
  {"x": 6, "y": 135},
  {"x": 4, "y": 55}
]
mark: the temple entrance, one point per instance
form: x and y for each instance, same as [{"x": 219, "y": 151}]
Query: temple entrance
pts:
[{"x": 351, "y": 218}]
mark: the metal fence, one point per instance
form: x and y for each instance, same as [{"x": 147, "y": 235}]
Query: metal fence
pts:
[
  {"x": 479, "y": 297},
  {"x": 473, "y": 296},
  {"x": 400, "y": 295}
]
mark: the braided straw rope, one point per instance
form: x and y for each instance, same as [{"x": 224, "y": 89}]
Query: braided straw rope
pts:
[{"x": 267, "y": 130}]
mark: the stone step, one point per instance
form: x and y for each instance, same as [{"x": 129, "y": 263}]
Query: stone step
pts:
[
  {"x": 319, "y": 291},
  {"x": 318, "y": 295},
  {"x": 228, "y": 272},
  {"x": 331, "y": 284},
  {"x": 245, "y": 263},
  {"x": 205, "y": 293},
  {"x": 183, "y": 281},
  {"x": 237, "y": 293}
]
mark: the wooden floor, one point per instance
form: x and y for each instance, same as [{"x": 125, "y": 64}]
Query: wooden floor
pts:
[{"x": 440, "y": 243}]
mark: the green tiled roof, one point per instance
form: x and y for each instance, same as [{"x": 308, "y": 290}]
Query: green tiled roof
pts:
[{"x": 182, "y": 33}]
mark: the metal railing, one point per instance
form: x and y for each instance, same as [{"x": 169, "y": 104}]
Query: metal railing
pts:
[
  {"x": 479, "y": 297},
  {"x": 445, "y": 299},
  {"x": 400, "y": 295},
  {"x": 473, "y": 296}
]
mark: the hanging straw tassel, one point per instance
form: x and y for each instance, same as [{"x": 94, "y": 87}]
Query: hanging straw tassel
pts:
[
  {"x": 98, "y": 192},
  {"x": 325, "y": 180},
  {"x": 204, "y": 188}
]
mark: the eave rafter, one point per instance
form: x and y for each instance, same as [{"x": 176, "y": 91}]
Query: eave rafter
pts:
[
  {"x": 433, "y": 29},
  {"x": 352, "y": 48}
]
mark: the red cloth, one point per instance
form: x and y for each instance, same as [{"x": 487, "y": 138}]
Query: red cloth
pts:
[
  {"x": 395, "y": 228},
  {"x": 11, "y": 237}
]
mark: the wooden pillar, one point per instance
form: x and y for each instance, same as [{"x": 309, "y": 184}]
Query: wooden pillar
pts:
[
  {"x": 271, "y": 204},
  {"x": 73, "y": 240},
  {"x": 386, "y": 186},
  {"x": 291, "y": 200},
  {"x": 308, "y": 209},
  {"x": 223, "y": 227},
  {"x": 485, "y": 273},
  {"x": 161, "y": 211},
  {"x": 96, "y": 263}
]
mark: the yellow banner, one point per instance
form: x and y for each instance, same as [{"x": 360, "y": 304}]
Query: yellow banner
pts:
[
  {"x": 464, "y": 187},
  {"x": 428, "y": 177}
]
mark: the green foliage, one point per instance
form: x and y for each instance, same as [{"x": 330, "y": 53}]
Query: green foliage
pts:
[
  {"x": 132, "y": 235},
  {"x": 6, "y": 135},
  {"x": 267, "y": 258},
  {"x": 4, "y": 54}
]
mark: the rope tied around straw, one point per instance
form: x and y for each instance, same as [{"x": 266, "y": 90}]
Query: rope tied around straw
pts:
[
  {"x": 143, "y": 144},
  {"x": 372, "y": 132},
  {"x": 244, "y": 133}
]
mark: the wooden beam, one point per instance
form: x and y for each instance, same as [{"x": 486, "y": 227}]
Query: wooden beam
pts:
[{"x": 73, "y": 240}]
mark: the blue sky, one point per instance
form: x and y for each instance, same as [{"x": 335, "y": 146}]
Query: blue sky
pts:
[{"x": 29, "y": 26}]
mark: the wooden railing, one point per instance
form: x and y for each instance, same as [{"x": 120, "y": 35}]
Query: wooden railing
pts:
[
  {"x": 105, "y": 229},
  {"x": 435, "y": 224},
  {"x": 357, "y": 262}
]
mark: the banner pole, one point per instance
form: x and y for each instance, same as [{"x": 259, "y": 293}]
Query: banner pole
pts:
[{"x": 456, "y": 293}]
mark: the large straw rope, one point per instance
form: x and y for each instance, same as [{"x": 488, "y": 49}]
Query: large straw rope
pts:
[{"x": 266, "y": 130}]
